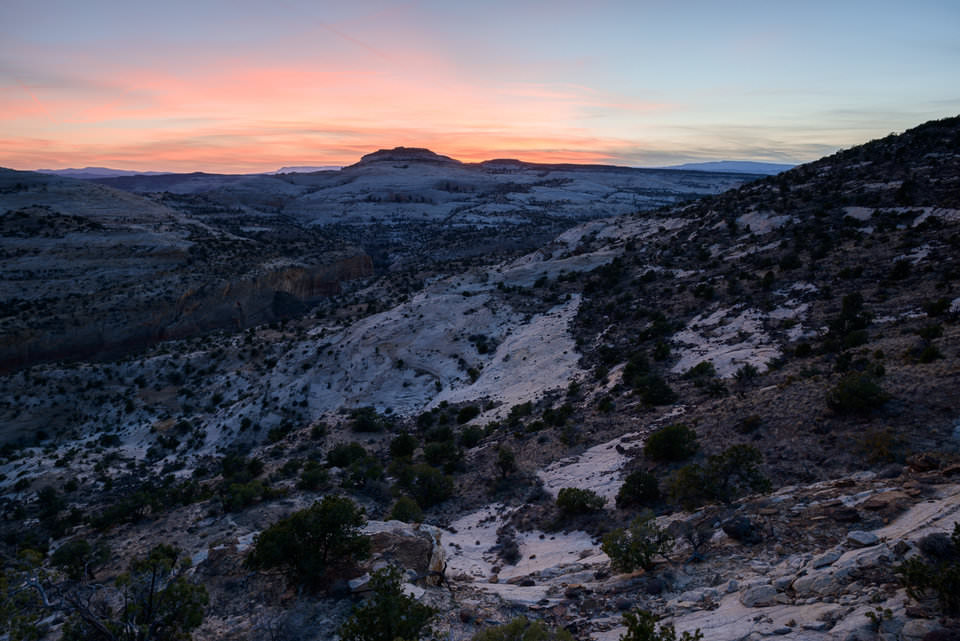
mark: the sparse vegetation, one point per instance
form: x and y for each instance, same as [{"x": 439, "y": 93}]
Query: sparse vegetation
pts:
[
  {"x": 522, "y": 629},
  {"x": 573, "y": 501},
  {"x": 388, "y": 614},
  {"x": 642, "y": 626},
  {"x": 310, "y": 544},
  {"x": 640, "y": 489},
  {"x": 637, "y": 546},
  {"x": 675, "y": 442},
  {"x": 938, "y": 573},
  {"x": 856, "y": 393}
]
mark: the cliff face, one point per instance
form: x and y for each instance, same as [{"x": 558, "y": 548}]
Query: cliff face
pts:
[{"x": 103, "y": 331}]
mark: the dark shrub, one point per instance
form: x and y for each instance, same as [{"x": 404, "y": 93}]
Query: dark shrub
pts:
[
  {"x": 939, "y": 575},
  {"x": 312, "y": 476},
  {"x": 471, "y": 436},
  {"x": 346, "y": 453},
  {"x": 642, "y": 626},
  {"x": 308, "y": 544},
  {"x": 573, "y": 500},
  {"x": 407, "y": 510},
  {"x": 639, "y": 489},
  {"x": 901, "y": 269},
  {"x": 403, "y": 445},
  {"x": 428, "y": 485},
  {"x": 520, "y": 629},
  {"x": 636, "y": 546},
  {"x": 367, "y": 419},
  {"x": 467, "y": 414},
  {"x": 856, "y": 393},
  {"x": 722, "y": 478},
  {"x": 671, "y": 443},
  {"x": 803, "y": 350},
  {"x": 506, "y": 461},
  {"x": 388, "y": 615}
]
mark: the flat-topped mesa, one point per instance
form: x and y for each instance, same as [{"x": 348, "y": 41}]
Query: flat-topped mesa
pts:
[{"x": 407, "y": 154}]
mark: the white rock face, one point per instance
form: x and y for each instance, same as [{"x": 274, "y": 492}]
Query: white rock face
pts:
[
  {"x": 728, "y": 338},
  {"x": 597, "y": 469}
]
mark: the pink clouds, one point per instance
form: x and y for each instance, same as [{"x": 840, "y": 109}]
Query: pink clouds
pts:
[{"x": 233, "y": 116}]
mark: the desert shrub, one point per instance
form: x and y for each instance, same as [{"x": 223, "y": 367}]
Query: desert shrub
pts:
[
  {"x": 856, "y": 338},
  {"x": 747, "y": 372},
  {"x": 642, "y": 626},
  {"x": 442, "y": 453},
  {"x": 312, "y": 477},
  {"x": 467, "y": 414},
  {"x": 938, "y": 574},
  {"x": 522, "y": 629},
  {"x": 929, "y": 354},
  {"x": 674, "y": 442},
  {"x": 649, "y": 385},
  {"x": 289, "y": 468},
  {"x": 640, "y": 488},
  {"x": 930, "y": 332},
  {"x": 367, "y": 419},
  {"x": 901, "y": 269},
  {"x": 159, "y": 603},
  {"x": 573, "y": 500},
  {"x": 749, "y": 424},
  {"x": 428, "y": 485},
  {"x": 557, "y": 416},
  {"x": 425, "y": 419},
  {"x": 656, "y": 391},
  {"x": 735, "y": 471},
  {"x": 50, "y": 502},
  {"x": 851, "y": 319},
  {"x": 361, "y": 472},
  {"x": 235, "y": 468},
  {"x": 723, "y": 477},
  {"x": 803, "y": 350},
  {"x": 506, "y": 462},
  {"x": 389, "y": 614},
  {"x": 636, "y": 546},
  {"x": 308, "y": 544},
  {"x": 403, "y": 445},
  {"x": 344, "y": 454},
  {"x": 856, "y": 393},
  {"x": 881, "y": 445},
  {"x": 700, "y": 371},
  {"x": 518, "y": 413},
  {"x": 440, "y": 433},
  {"x": 936, "y": 307},
  {"x": 237, "y": 496},
  {"x": 78, "y": 558},
  {"x": 406, "y": 509},
  {"x": 471, "y": 436}
]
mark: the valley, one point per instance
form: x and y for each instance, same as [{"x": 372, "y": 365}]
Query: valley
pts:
[{"x": 187, "y": 359}]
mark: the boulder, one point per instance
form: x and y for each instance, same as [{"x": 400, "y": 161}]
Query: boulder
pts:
[
  {"x": 861, "y": 539},
  {"x": 758, "y": 596},
  {"x": 740, "y": 528},
  {"x": 825, "y": 559},
  {"x": 918, "y": 629},
  {"x": 413, "y": 548}
]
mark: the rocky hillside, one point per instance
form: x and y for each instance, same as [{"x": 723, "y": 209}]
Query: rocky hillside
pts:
[{"x": 739, "y": 414}]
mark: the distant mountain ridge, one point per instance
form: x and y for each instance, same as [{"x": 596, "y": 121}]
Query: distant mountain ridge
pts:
[
  {"x": 88, "y": 173},
  {"x": 305, "y": 169},
  {"x": 423, "y": 155},
  {"x": 734, "y": 166}
]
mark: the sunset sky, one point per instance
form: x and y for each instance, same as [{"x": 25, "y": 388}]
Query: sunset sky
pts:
[{"x": 243, "y": 86}]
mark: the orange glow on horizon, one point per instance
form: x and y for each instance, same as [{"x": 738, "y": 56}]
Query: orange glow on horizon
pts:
[{"x": 246, "y": 118}]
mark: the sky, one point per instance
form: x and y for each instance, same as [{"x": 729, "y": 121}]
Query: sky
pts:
[{"x": 241, "y": 86}]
